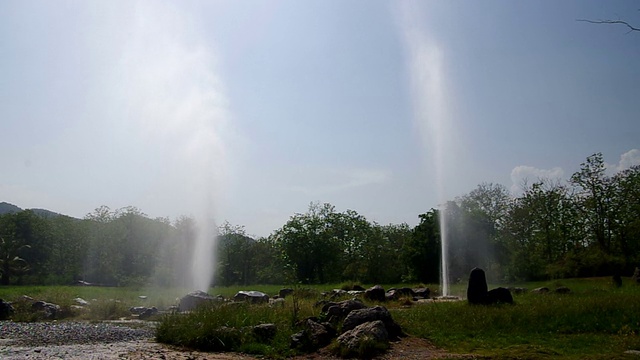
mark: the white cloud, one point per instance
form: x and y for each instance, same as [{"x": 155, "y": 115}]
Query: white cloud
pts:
[
  {"x": 627, "y": 160},
  {"x": 525, "y": 175}
]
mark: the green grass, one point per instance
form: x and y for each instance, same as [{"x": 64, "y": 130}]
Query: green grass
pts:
[{"x": 594, "y": 321}]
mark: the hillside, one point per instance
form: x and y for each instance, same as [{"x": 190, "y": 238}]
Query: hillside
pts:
[{"x": 7, "y": 208}]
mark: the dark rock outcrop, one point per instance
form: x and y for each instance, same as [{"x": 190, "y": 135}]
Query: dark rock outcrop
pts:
[
  {"x": 478, "y": 294},
  {"x": 477, "y": 288},
  {"x": 540, "y": 290},
  {"x": 423, "y": 293},
  {"x": 562, "y": 290},
  {"x": 375, "y": 293}
]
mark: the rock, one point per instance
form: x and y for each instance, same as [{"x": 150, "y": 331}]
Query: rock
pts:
[
  {"x": 540, "y": 290},
  {"x": 137, "y": 310},
  {"x": 279, "y": 302},
  {"x": 313, "y": 337},
  {"x": 81, "y": 301},
  {"x": 343, "y": 308},
  {"x": 254, "y": 297},
  {"x": 375, "y": 293},
  {"x": 283, "y": 293},
  {"x": 265, "y": 332},
  {"x": 147, "y": 313},
  {"x": 499, "y": 296},
  {"x": 192, "y": 300},
  {"x": 5, "y": 310},
  {"x": 361, "y": 316},
  {"x": 477, "y": 288},
  {"x": 395, "y": 294},
  {"x": 518, "y": 290},
  {"x": 562, "y": 290},
  {"x": 422, "y": 293},
  {"x": 50, "y": 311},
  {"x": 365, "y": 339}
]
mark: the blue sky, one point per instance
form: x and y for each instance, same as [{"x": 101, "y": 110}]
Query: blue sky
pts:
[{"x": 261, "y": 107}]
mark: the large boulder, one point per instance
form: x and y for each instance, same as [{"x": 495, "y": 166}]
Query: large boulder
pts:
[
  {"x": 375, "y": 293},
  {"x": 192, "y": 300},
  {"x": 254, "y": 297},
  {"x": 499, "y": 296},
  {"x": 477, "y": 288},
  {"x": 358, "y": 317},
  {"x": 477, "y": 293},
  {"x": 365, "y": 340}
]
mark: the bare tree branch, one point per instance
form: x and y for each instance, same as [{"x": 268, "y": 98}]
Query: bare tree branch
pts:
[{"x": 631, "y": 28}]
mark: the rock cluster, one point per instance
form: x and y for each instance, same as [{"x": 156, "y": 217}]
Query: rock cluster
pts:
[
  {"x": 361, "y": 327},
  {"x": 478, "y": 293}
]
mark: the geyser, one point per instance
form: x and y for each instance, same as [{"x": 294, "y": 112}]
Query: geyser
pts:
[
  {"x": 426, "y": 61},
  {"x": 174, "y": 97}
]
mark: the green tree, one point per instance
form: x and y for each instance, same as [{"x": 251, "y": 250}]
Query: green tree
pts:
[
  {"x": 423, "y": 250},
  {"x": 10, "y": 263}
]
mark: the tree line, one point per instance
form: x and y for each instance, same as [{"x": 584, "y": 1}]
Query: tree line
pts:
[{"x": 588, "y": 225}]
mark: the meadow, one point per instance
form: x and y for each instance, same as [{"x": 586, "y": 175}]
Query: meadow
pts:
[{"x": 595, "y": 321}]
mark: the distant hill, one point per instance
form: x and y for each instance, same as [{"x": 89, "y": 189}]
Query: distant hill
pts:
[{"x": 6, "y": 208}]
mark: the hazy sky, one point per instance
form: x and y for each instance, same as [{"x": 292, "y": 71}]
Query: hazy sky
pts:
[{"x": 262, "y": 107}]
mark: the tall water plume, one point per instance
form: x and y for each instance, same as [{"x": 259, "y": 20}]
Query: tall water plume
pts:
[
  {"x": 176, "y": 102},
  {"x": 431, "y": 110}
]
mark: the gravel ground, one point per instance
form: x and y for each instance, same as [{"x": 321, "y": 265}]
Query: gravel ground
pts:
[
  {"x": 94, "y": 341},
  {"x": 134, "y": 341}
]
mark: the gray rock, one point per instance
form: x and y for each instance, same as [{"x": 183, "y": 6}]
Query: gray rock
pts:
[
  {"x": 81, "y": 301},
  {"x": 254, "y": 297},
  {"x": 341, "y": 309},
  {"x": 369, "y": 337},
  {"x": 396, "y": 294},
  {"x": 50, "y": 311},
  {"x": 192, "y": 300},
  {"x": 147, "y": 313},
  {"x": 313, "y": 337},
  {"x": 358, "y": 317},
  {"x": 422, "y": 293},
  {"x": 540, "y": 290},
  {"x": 562, "y": 290}
]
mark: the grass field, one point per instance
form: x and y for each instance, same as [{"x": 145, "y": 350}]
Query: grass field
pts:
[{"x": 594, "y": 321}]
